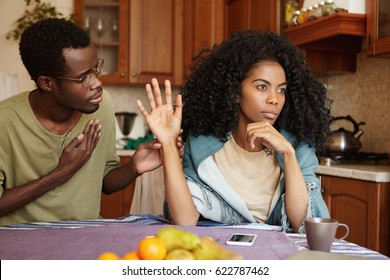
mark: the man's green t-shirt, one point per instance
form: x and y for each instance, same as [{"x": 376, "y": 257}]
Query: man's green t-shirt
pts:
[{"x": 28, "y": 151}]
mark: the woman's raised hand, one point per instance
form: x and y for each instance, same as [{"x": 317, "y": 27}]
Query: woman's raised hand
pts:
[{"x": 164, "y": 120}]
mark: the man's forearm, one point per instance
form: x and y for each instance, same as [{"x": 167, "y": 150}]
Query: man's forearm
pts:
[{"x": 19, "y": 196}]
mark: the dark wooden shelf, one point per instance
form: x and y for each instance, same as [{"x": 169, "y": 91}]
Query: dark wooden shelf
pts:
[
  {"x": 326, "y": 27},
  {"x": 330, "y": 43}
]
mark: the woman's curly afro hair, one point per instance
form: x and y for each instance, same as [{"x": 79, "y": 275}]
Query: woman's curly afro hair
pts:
[
  {"x": 41, "y": 46},
  {"x": 211, "y": 92}
]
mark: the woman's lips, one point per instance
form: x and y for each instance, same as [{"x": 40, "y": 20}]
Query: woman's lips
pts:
[{"x": 270, "y": 115}]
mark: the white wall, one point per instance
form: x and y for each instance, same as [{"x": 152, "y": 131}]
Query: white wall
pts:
[
  {"x": 10, "y": 62},
  {"x": 124, "y": 97}
]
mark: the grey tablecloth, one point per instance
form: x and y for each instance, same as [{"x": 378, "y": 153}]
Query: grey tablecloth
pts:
[{"x": 85, "y": 240}]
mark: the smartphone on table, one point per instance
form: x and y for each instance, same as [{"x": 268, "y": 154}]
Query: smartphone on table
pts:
[{"x": 241, "y": 239}]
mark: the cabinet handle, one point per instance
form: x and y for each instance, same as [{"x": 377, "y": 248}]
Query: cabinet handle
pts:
[
  {"x": 134, "y": 74},
  {"x": 323, "y": 190},
  {"x": 122, "y": 74}
]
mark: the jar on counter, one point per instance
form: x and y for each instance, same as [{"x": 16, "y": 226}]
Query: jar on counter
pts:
[
  {"x": 302, "y": 16},
  {"x": 314, "y": 12},
  {"x": 328, "y": 8},
  {"x": 310, "y": 13},
  {"x": 290, "y": 7},
  {"x": 294, "y": 19},
  {"x": 318, "y": 12}
]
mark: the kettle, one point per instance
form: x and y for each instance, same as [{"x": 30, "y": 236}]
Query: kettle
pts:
[{"x": 344, "y": 141}]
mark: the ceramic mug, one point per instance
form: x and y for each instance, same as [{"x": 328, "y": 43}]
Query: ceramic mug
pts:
[{"x": 321, "y": 232}]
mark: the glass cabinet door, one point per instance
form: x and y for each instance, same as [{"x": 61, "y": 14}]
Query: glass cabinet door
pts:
[
  {"x": 378, "y": 27},
  {"x": 107, "y": 22}
]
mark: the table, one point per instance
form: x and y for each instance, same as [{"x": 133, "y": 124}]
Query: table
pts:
[{"x": 85, "y": 240}]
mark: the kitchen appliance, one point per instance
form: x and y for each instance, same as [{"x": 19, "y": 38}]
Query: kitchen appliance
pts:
[
  {"x": 125, "y": 121},
  {"x": 343, "y": 141},
  {"x": 356, "y": 158},
  {"x": 343, "y": 147}
]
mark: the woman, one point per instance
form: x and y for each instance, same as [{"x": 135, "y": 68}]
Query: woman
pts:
[{"x": 252, "y": 120}]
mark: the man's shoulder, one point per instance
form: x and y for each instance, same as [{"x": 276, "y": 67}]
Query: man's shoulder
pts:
[
  {"x": 13, "y": 100},
  {"x": 13, "y": 104}
]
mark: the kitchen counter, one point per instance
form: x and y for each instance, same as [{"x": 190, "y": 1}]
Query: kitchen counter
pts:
[
  {"x": 367, "y": 172},
  {"x": 124, "y": 153}
]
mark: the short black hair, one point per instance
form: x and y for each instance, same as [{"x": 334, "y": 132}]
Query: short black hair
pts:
[
  {"x": 41, "y": 46},
  {"x": 212, "y": 90}
]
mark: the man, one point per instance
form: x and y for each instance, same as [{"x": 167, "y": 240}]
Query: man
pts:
[{"x": 57, "y": 144}]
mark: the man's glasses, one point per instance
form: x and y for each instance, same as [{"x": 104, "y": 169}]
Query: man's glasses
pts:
[{"x": 87, "y": 79}]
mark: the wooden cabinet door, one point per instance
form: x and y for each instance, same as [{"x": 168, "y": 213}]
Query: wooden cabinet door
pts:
[
  {"x": 156, "y": 40},
  {"x": 112, "y": 44},
  {"x": 252, "y": 14},
  {"x": 117, "y": 204},
  {"x": 203, "y": 27},
  {"x": 363, "y": 206},
  {"x": 378, "y": 27}
]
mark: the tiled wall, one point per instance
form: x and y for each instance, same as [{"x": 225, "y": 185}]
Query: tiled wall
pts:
[
  {"x": 365, "y": 95},
  {"x": 125, "y": 98}
]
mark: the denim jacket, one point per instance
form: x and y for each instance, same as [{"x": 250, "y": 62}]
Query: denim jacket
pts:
[{"x": 216, "y": 200}]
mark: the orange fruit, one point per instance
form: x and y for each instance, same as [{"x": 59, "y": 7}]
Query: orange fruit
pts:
[
  {"x": 132, "y": 255},
  {"x": 152, "y": 248},
  {"x": 108, "y": 256}
]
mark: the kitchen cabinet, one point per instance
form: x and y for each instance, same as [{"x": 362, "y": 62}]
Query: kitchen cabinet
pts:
[
  {"x": 156, "y": 41},
  {"x": 203, "y": 27},
  {"x": 107, "y": 23},
  {"x": 147, "y": 43},
  {"x": 330, "y": 43},
  {"x": 257, "y": 14},
  {"x": 117, "y": 204},
  {"x": 378, "y": 27},
  {"x": 363, "y": 206},
  {"x": 251, "y": 14}
]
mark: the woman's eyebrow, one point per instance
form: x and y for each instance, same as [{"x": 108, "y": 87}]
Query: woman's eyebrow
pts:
[
  {"x": 268, "y": 83},
  {"x": 261, "y": 80},
  {"x": 283, "y": 84}
]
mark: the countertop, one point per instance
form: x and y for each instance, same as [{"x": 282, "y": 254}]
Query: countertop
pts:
[
  {"x": 124, "y": 153},
  {"x": 367, "y": 172}
]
